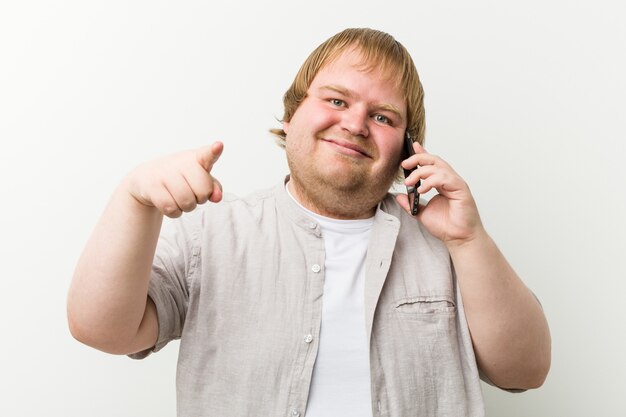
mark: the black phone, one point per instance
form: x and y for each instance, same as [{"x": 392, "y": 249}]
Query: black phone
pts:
[{"x": 414, "y": 197}]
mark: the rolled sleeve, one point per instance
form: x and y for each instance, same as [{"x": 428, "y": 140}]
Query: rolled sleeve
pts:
[{"x": 173, "y": 267}]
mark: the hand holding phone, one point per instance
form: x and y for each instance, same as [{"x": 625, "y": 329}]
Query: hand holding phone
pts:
[{"x": 411, "y": 191}]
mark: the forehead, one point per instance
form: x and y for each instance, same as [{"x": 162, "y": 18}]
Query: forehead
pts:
[
  {"x": 352, "y": 59},
  {"x": 350, "y": 70}
]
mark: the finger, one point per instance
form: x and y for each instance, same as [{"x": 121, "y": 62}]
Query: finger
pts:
[
  {"x": 425, "y": 186},
  {"x": 206, "y": 188},
  {"x": 443, "y": 182},
  {"x": 201, "y": 183},
  {"x": 403, "y": 200},
  {"x": 419, "y": 148},
  {"x": 217, "y": 194},
  {"x": 164, "y": 202},
  {"x": 208, "y": 155},
  {"x": 421, "y": 160},
  {"x": 182, "y": 194},
  {"x": 422, "y": 172}
]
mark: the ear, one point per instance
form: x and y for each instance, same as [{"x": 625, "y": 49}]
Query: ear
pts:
[{"x": 286, "y": 127}]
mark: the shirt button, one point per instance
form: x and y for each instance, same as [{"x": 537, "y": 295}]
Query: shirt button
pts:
[
  {"x": 316, "y": 268},
  {"x": 308, "y": 338},
  {"x": 295, "y": 413},
  {"x": 312, "y": 225}
]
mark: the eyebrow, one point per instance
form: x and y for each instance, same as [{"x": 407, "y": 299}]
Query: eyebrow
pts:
[{"x": 381, "y": 106}]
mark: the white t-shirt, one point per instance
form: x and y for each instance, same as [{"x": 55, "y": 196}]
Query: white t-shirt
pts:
[{"x": 341, "y": 376}]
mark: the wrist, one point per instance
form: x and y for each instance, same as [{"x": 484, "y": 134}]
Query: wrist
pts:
[
  {"x": 128, "y": 191},
  {"x": 477, "y": 237}
]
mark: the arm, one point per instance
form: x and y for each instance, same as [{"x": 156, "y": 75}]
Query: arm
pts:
[
  {"x": 108, "y": 305},
  {"x": 509, "y": 330}
]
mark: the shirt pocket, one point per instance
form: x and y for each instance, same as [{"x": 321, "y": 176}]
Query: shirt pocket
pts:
[{"x": 422, "y": 306}]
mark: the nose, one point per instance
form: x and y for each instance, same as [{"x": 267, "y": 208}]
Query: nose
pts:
[{"x": 354, "y": 120}]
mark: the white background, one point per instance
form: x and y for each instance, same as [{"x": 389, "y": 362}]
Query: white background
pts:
[{"x": 524, "y": 99}]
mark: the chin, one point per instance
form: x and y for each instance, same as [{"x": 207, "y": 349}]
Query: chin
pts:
[{"x": 338, "y": 173}]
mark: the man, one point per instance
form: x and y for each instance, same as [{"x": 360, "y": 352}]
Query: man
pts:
[{"x": 323, "y": 295}]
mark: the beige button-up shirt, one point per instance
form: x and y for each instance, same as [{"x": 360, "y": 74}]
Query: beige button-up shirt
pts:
[{"x": 241, "y": 284}]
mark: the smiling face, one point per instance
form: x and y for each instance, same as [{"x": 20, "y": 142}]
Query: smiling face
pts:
[{"x": 344, "y": 141}]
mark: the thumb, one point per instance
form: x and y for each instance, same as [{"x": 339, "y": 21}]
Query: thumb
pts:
[
  {"x": 208, "y": 155},
  {"x": 403, "y": 200}
]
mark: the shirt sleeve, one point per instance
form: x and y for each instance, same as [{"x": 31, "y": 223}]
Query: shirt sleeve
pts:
[{"x": 174, "y": 263}]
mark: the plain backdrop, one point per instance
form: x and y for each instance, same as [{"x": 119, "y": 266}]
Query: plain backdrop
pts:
[{"x": 524, "y": 99}]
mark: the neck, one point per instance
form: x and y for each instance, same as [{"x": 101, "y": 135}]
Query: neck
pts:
[{"x": 335, "y": 204}]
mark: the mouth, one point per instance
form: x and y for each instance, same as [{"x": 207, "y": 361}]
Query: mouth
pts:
[{"x": 347, "y": 148}]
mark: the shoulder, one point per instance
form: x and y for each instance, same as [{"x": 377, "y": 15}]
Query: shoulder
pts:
[
  {"x": 235, "y": 209},
  {"x": 260, "y": 197},
  {"x": 412, "y": 231},
  {"x": 231, "y": 212}
]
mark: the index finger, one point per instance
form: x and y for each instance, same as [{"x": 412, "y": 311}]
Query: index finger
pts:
[
  {"x": 411, "y": 161},
  {"x": 419, "y": 148},
  {"x": 208, "y": 155},
  {"x": 422, "y": 158}
]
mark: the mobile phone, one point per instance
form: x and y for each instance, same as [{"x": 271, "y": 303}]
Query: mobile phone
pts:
[{"x": 414, "y": 197}]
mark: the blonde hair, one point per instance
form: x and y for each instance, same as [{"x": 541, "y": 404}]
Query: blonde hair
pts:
[{"x": 379, "y": 50}]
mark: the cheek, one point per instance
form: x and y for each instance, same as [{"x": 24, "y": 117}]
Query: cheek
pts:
[
  {"x": 391, "y": 149},
  {"x": 314, "y": 117}
]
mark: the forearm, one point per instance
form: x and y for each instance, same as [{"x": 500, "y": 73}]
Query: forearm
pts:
[
  {"x": 509, "y": 330},
  {"x": 108, "y": 295}
]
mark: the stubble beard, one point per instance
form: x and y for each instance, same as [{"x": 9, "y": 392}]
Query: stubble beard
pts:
[{"x": 349, "y": 195}]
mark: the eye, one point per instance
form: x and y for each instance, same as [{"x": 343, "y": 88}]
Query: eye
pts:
[
  {"x": 337, "y": 102},
  {"x": 382, "y": 119}
]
